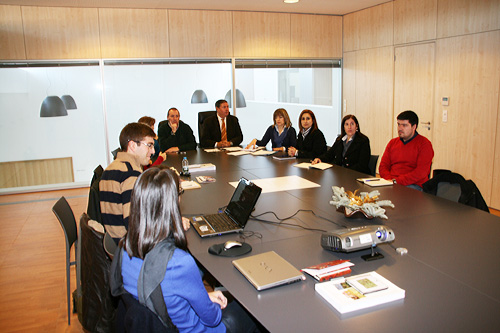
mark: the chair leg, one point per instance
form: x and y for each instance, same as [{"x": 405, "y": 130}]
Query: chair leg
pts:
[{"x": 68, "y": 289}]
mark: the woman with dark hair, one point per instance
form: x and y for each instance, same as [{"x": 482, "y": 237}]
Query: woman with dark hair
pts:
[
  {"x": 281, "y": 134},
  {"x": 155, "y": 252},
  {"x": 351, "y": 149},
  {"x": 311, "y": 142}
]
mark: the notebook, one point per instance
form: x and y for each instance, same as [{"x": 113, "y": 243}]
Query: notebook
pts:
[
  {"x": 268, "y": 270},
  {"x": 235, "y": 216}
]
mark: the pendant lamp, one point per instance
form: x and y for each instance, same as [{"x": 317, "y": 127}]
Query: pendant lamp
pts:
[
  {"x": 69, "y": 102},
  {"x": 240, "y": 99},
  {"x": 53, "y": 106},
  {"x": 199, "y": 96}
]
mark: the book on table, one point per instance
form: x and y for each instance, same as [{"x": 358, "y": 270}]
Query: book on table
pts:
[
  {"x": 201, "y": 167},
  {"x": 343, "y": 293},
  {"x": 329, "y": 270},
  {"x": 189, "y": 184},
  {"x": 375, "y": 181},
  {"x": 319, "y": 166}
]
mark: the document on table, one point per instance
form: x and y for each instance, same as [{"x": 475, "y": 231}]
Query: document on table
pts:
[
  {"x": 263, "y": 152},
  {"x": 239, "y": 153},
  {"x": 277, "y": 184},
  {"x": 320, "y": 166},
  {"x": 212, "y": 150},
  {"x": 232, "y": 148}
]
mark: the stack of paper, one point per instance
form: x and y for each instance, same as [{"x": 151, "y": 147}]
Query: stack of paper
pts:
[
  {"x": 201, "y": 167},
  {"x": 319, "y": 166},
  {"x": 375, "y": 181}
]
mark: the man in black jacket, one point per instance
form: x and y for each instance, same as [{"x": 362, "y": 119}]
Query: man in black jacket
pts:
[
  {"x": 221, "y": 130},
  {"x": 174, "y": 135}
]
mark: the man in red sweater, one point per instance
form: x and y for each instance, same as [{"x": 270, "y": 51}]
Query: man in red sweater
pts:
[{"x": 407, "y": 159}]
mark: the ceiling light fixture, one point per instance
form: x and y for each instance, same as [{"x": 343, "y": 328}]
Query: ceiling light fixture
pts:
[{"x": 290, "y": 1}]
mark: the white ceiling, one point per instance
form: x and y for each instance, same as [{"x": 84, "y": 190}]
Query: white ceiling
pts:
[{"x": 335, "y": 7}]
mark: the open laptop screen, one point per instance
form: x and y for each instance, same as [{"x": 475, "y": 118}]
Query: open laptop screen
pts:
[{"x": 243, "y": 201}]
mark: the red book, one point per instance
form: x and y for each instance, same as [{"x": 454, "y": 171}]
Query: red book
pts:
[{"x": 329, "y": 270}]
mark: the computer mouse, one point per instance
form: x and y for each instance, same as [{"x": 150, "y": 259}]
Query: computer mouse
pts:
[{"x": 230, "y": 244}]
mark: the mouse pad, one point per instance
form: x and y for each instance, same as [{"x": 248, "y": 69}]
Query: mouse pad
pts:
[{"x": 218, "y": 250}]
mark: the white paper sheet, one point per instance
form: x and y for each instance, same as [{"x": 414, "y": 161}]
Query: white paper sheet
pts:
[{"x": 277, "y": 184}]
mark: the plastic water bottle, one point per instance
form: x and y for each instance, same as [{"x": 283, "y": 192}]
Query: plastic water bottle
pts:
[{"x": 185, "y": 166}]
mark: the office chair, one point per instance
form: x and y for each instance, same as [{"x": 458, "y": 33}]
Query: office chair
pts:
[
  {"x": 372, "y": 164},
  {"x": 64, "y": 214},
  {"x": 453, "y": 186},
  {"x": 201, "y": 118}
]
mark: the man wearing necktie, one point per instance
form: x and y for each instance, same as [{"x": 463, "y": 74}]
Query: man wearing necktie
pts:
[{"x": 221, "y": 130}]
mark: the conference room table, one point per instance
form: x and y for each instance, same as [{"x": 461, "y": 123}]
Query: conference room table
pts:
[{"x": 451, "y": 273}]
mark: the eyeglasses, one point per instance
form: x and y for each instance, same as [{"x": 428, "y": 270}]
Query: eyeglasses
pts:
[{"x": 149, "y": 145}]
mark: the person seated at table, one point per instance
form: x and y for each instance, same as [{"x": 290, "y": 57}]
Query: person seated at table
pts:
[
  {"x": 407, "y": 159},
  {"x": 281, "y": 134},
  {"x": 351, "y": 149},
  {"x": 158, "y": 156},
  {"x": 174, "y": 134},
  {"x": 221, "y": 130},
  {"x": 155, "y": 250},
  {"x": 311, "y": 142}
]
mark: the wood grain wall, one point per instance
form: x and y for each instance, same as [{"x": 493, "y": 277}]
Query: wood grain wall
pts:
[
  {"x": 47, "y": 33},
  {"x": 467, "y": 70}
]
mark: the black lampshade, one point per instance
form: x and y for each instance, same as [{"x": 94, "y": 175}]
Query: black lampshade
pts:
[
  {"x": 53, "y": 106},
  {"x": 69, "y": 102},
  {"x": 199, "y": 96},
  {"x": 240, "y": 99}
]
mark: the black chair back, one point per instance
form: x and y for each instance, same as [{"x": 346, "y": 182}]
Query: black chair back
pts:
[
  {"x": 64, "y": 214},
  {"x": 372, "y": 164},
  {"x": 201, "y": 118}
]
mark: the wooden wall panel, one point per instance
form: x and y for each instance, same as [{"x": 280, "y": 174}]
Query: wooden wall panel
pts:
[
  {"x": 61, "y": 33},
  {"x": 349, "y": 83},
  {"x": 374, "y": 95},
  {"x": 316, "y": 36},
  {"x": 200, "y": 33},
  {"x": 134, "y": 33},
  {"x": 261, "y": 35},
  {"x": 11, "y": 33},
  {"x": 369, "y": 28},
  {"x": 468, "y": 72},
  {"x": 36, "y": 172},
  {"x": 414, "y": 20},
  {"x": 460, "y": 17},
  {"x": 495, "y": 184}
]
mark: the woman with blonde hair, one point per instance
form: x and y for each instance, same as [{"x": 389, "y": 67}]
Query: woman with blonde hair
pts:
[{"x": 281, "y": 134}]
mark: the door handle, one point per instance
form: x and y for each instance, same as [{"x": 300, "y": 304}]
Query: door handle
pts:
[{"x": 425, "y": 123}]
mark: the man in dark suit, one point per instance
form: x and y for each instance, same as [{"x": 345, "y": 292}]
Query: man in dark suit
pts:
[{"x": 221, "y": 130}]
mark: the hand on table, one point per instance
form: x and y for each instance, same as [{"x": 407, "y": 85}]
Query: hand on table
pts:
[
  {"x": 315, "y": 161},
  {"x": 219, "y": 298},
  {"x": 185, "y": 223}
]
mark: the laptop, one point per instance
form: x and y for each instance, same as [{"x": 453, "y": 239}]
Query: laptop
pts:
[
  {"x": 235, "y": 216},
  {"x": 268, "y": 270}
]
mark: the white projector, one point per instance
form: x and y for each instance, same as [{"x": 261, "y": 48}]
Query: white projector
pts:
[{"x": 354, "y": 239}]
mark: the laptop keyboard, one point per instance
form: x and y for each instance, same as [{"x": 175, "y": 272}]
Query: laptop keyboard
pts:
[{"x": 220, "y": 222}]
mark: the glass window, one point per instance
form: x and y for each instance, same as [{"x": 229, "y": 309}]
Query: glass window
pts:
[
  {"x": 27, "y": 136},
  {"x": 293, "y": 85}
]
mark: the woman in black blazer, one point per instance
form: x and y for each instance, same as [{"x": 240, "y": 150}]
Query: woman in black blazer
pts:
[
  {"x": 351, "y": 149},
  {"x": 311, "y": 142}
]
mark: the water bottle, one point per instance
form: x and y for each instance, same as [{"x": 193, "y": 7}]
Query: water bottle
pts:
[{"x": 185, "y": 166}]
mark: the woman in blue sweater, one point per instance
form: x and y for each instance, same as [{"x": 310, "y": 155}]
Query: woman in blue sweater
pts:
[
  {"x": 281, "y": 134},
  {"x": 155, "y": 222}
]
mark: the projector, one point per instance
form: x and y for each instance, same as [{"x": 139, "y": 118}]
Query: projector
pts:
[{"x": 354, "y": 239}]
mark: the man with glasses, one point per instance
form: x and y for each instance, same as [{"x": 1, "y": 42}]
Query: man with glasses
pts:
[{"x": 117, "y": 181}]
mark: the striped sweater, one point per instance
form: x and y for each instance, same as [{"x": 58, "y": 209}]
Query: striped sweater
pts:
[{"x": 115, "y": 189}]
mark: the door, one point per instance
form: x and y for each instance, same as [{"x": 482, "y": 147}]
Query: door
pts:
[{"x": 414, "y": 84}]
